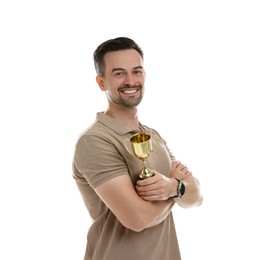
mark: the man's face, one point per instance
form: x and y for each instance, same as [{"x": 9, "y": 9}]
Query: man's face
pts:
[{"x": 124, "y": 77}]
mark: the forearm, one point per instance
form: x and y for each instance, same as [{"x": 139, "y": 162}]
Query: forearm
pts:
[
  {"x": 192, "y": 196},
  {"x": 146, "y": 214},
  {"x": 131, "y": 210},
  {"x": 155, "y": 212}
]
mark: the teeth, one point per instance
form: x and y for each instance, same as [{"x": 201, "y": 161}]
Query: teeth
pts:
[{"x": 130, "y": 91}]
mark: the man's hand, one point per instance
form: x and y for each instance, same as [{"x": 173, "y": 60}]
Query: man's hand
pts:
[
  {"x": 158, "y": 187},
  {"x": 179, "y": 171}
]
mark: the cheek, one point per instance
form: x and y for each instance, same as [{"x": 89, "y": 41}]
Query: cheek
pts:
[
  {"x": 115, "y": 82},
  {"x": 141, "y": 80}
]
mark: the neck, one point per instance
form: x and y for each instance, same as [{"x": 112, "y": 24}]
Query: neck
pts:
[{"x": 127, "y": 116}]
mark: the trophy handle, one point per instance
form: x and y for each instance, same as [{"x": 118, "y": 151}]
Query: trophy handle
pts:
[{"x": 156, "y": 141}]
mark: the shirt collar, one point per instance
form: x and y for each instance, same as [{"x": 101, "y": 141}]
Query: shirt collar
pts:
[{"x": 114, "y": 124}]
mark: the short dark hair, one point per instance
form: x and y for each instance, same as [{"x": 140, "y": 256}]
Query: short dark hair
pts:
[{"x": 120, "y": 43}]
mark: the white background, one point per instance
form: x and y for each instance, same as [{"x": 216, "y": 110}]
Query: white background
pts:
[{"x": 204, "y": 64}]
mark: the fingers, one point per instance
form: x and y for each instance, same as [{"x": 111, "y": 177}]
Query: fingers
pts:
[
  {"x": 154, "y": 188},
  {"x": 182, "y": 167},
  {"x": 150, "y": 181},
  {"x": 177, "y": 163},
  {"x": 149, "y": 192}
]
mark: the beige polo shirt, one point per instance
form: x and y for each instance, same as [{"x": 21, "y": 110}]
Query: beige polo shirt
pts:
[{"x": 101, "y": 154}]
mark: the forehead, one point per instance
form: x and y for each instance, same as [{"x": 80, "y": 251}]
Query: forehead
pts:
[{"x": 126, "y": 59}]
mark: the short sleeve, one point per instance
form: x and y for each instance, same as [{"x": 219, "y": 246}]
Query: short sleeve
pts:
[{"x": 98, "y": 160}]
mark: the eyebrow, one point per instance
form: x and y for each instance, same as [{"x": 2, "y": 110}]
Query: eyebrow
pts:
[{"x": 135, "y": 68}]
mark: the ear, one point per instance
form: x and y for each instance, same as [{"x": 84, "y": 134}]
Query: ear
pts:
[{"x": 100, "y": 82}]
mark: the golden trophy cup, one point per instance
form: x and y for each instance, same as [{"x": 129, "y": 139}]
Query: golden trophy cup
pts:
[{"x": 142, "y": 147}]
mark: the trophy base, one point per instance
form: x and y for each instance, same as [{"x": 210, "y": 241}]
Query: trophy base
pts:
[{"x": 145, "y": 173}]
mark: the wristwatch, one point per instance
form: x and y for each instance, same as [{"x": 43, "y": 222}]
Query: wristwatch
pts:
[{"x": 180, "y": 190}]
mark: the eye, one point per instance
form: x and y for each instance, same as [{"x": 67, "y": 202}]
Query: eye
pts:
[
  {"x": 118, "y": 74},
  {"x": 137, "y": 72}
]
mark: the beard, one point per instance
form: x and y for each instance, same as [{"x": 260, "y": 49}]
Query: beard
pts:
[{"x": 127, "y": 100}]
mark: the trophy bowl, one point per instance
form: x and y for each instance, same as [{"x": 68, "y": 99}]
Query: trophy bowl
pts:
[{"x": 142, "y": 147}]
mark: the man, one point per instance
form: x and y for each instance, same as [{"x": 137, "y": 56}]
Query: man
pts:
[{"x": 132, "y": 219}]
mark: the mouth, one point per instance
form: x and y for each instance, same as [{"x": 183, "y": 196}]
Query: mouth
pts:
[{"x": 129, "y": 91}]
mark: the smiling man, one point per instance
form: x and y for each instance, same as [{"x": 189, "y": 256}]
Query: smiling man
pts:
[
  {"x": 132, "y": 218},
  {"x": 122, "y": 78}
]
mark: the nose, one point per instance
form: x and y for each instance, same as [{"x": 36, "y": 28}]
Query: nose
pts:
[{"x": 129, "y": 80}]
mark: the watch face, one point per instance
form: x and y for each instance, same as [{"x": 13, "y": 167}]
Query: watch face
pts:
[{"x": 182, "y": 189}]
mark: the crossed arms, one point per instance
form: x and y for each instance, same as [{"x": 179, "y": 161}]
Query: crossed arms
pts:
[{"x": 148, "y": 204}]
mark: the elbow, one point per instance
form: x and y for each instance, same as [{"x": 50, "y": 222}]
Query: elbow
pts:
[
  {"x": 195, "y": 197},
  {"x": 136, "y": 222},
  {"x": 135, "y": 225},
  {"x": 195, "y": 200},
  {"x": 198, "y": 198},
  {"x": 135, "y": 228},
  {"x": 198, "y": 201}
]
